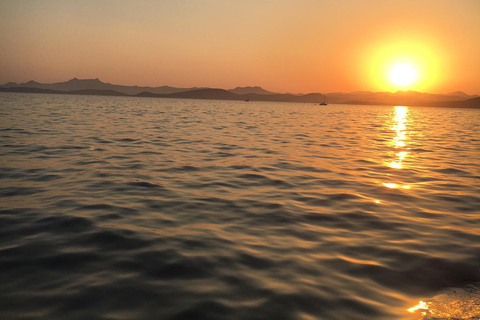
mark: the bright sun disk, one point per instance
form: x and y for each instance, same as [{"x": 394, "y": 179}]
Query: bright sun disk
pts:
[{"x": 403, "y": 75}]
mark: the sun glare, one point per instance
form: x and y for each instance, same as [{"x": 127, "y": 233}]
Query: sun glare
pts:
[
  {"x": 399, "y": 63},
  {"x": 403, "y": 75}
]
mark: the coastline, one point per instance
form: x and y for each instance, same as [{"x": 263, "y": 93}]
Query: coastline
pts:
[{"x": 221, "y": 94}]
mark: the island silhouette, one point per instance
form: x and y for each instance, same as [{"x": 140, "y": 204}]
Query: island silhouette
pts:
[{"x": 254, "y": 93}]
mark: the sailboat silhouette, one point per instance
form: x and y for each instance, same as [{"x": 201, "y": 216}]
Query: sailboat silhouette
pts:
[{"x": 323, "y": 103}]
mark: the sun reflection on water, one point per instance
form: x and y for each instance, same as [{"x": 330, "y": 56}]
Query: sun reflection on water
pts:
[
  {"x": 421, "y": 307},
  {"x": 395, "y": 186},
  {"x": 399, "y": 142}
]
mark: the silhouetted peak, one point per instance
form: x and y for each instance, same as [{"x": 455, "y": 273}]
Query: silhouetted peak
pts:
[
  {"x": 459, "y": 94},
  {"x": 250, "y": 89},
  {"x": 31, "y": 83},
  {"x": 76, "y": 80}
]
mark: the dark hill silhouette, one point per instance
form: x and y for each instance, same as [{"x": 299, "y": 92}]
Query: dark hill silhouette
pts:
[
  {"x": 79, "y": 92},
  {"x": 409, "y": 98},
  {"x": 250, "y": 90},
  {"x": 206, "y": 94},
  {"x": 470, "y": 103},
  {"x": 97, "y": 87},
  {"x": 462, "y": 95},
  {"x": 96, "y": 84},
  {"x": 30, "y": 90},
  {"x": 219, "y": 94},
  {"x": 98, "y": 92}
]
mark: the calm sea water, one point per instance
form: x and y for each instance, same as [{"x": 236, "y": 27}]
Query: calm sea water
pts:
[{"x": 132, "y": 208}]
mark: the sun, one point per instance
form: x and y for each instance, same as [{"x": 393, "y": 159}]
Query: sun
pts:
[
  {"x": 397, "y": 62},
  {"x": 403, "y": 75}
]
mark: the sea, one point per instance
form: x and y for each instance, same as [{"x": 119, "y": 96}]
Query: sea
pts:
[{"x": 147, "y": 208}]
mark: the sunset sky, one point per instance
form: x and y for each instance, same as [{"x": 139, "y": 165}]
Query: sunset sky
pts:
[{"x": 295, "y": 46}]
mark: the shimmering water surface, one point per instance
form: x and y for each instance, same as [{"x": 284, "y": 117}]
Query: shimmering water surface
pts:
[{"x": 133, "y": 208}]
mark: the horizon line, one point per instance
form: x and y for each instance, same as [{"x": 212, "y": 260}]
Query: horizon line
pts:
[{"x": 241, "y": 87}]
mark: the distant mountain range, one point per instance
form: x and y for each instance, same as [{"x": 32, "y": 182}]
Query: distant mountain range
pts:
[
  {"x": 87, "y": 84},
  {"x": 97, "y": 87}
]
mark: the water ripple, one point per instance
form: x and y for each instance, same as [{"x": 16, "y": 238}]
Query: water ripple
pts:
[{"x": 120, "y": 208}]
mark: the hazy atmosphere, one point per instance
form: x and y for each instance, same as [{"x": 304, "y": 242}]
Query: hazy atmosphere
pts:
[
  {"x": 282, "y": 46},
  {"x": 239, "y": 160}
]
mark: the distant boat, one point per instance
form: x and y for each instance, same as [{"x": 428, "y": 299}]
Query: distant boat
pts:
[
  {"x": 323, "y": 103},
  {"x": 248, "y": 98}
]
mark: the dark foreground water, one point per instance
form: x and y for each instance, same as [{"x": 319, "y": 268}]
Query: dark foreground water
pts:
[{"x": 131, "y": 208}]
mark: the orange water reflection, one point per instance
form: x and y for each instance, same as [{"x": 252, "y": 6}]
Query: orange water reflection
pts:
[
  {"x": 394, "y": 186},
  {"x": 399, "y": 142},
  {"x": 421, "y": 306}
]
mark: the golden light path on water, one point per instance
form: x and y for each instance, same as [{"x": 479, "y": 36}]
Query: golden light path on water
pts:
[
  {"x": 456, "y": 303},
  {"x": 399, "y": 142}
]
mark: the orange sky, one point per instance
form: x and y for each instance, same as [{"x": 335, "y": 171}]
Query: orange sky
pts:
[{"x": 281, "y": 45}]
